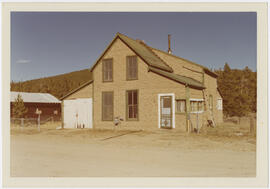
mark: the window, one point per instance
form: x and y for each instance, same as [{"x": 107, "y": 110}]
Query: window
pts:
[
  {"x": 132, "y": 105},
  {"x": 196, "y": 105},
  {"x": 219, "y": 104},
  {"x": 107, "y": 106},
  {"x": 132, "y": 68},
  {"x": 181, "y": 106},
  {"x": 107, "y": 65}
]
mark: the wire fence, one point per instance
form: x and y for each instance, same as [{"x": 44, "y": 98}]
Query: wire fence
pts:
[{"x": 24, "y": 123}]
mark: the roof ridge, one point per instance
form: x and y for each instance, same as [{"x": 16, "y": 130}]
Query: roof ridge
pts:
[{"x": 149, "y": 48}]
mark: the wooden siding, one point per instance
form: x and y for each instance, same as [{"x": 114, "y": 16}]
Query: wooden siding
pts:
[{"x": 85, "y": 92}]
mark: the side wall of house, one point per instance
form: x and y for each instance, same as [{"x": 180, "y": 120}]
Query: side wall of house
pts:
[
  {"x": 85, "y": 92},
  {"x": 211, "y": 89},
  {"x": 149, "y": 85},
  {"x": 181, "y": 66}
]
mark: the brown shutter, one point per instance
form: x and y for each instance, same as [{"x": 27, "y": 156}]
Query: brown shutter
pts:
[
  {"x": 132, "y": 67},
  {"x": 107, "y": 106},
  {"x": 107, "y": 69}
]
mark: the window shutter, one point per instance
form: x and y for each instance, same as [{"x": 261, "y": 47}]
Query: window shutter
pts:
[
  {"x": 107, "y": 105},
  {"x": 132, "y": 67},
  {"x": 107, "y": 69}
]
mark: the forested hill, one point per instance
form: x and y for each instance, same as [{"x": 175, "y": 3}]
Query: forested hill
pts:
[{"x": 58, "y": 85}]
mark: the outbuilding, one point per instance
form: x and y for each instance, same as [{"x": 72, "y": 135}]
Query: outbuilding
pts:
[
  {"x": 77, "y": 107},
  {"x": 49, "y": 105}
]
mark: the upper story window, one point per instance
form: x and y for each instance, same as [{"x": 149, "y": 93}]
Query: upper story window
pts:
[
  {"x": 132, "y": 68},
  {"x": 107, "y": 69}
]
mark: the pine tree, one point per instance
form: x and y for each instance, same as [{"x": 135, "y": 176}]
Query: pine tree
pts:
[{"x": 19, "y": 110}]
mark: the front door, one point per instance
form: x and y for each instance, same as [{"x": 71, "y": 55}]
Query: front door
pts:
[{"x": 166, "y": 112}]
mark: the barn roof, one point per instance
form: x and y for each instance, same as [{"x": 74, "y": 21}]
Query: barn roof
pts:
[
  {"x": 179, "y": 78},
  {"x": 34, "y": 97}
]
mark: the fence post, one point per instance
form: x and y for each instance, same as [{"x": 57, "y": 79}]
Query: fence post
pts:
[
  {"x": 38, "y": 122},
  {"x": 22, "y": 124}
]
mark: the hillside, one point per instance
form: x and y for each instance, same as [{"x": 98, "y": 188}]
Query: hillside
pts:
[{"x": 58, "y": 85}]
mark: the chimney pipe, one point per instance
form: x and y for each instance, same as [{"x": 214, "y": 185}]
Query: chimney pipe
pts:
[{"x": 169, "y": 44}]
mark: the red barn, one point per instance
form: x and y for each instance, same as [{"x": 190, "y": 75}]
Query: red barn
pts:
[{"x": 47, "y": 103}]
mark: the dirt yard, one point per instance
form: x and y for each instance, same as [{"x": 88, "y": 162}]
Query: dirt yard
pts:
[{"x": 166, "y": 153}]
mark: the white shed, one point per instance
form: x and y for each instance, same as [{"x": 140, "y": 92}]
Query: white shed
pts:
[{"x": 77, "y": 107}]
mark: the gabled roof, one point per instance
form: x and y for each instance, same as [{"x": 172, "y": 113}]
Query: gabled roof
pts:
[
  {"x": 147, "y": 55},
  {"x": 75, "y": 90},
  {"x": 34, "y": 97},
  {"x": 179, "y": 78},
  {"x": 141, "y": 50}
]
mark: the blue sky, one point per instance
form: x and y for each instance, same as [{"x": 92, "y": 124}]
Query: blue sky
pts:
[{"x": 50, "y": 43}]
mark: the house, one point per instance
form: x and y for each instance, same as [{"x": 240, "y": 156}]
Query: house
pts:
[
  {"x": 49, "y": 105},
  {"x": 145, "y": 86}
]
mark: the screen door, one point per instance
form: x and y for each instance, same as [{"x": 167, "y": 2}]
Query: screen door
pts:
[{"x": 166, "y": 112}]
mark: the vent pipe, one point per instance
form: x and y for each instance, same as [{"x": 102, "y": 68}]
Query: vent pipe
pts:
[{"x": 169, "y": 44}]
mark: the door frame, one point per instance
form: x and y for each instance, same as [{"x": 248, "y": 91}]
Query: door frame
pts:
[{"x": 173, "y": 108}]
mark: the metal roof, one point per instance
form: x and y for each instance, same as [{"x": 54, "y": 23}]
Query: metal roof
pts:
[
  {"x": 34, "y": 97},
  {"x": 145, "y": 53},
  {"x": 140, "y": 49},
  {"x": 178, "y": 78}
]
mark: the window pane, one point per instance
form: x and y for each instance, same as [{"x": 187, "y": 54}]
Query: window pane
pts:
[
  {"x": 181, "y": 105},
  {"x": 129, "y": 98},
  {"x": 166, "y": 102},
  {"x": 135, "y": 96},
  {"x": 135, "y": 111},
  {"x": 130, "y": 112}
]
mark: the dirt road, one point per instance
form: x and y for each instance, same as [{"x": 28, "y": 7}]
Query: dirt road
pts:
[{"x": 83, "y": 153}]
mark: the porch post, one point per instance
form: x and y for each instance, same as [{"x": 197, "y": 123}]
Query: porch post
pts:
[{"x": 187, "y": 109}]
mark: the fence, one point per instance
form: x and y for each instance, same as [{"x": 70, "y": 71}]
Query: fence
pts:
[{"x": 29, "y": 122}]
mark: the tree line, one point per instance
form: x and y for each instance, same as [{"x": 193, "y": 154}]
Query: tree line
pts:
[
  {"x": 58, "y": 85},
  {"x": 238, "y": 89}
]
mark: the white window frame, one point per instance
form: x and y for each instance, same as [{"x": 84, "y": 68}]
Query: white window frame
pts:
[
  {"x": 218, "y": 105},
  {"x": 173, "y": 108},
  {"x": 196, "y": 100}
]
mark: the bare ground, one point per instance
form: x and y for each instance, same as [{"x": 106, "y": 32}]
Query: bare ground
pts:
[{"x": 166, "y": 153}]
